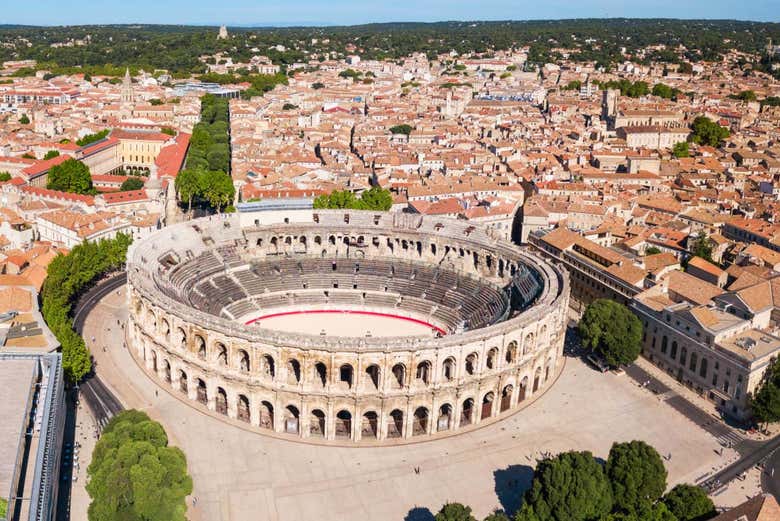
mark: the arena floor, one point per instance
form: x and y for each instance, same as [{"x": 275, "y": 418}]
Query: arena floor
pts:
[{"x": 349, "y": 323}]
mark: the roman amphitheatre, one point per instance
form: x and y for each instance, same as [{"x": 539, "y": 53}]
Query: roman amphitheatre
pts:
[{"x": 345, "y": 327}]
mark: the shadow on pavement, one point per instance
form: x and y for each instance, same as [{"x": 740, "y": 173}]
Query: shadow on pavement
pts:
[
  {"x": 510, "y": 484},
  {"x": 419, "y": 514}
]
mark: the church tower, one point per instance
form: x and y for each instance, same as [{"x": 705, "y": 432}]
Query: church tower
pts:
[{"x": 128, "y": 96}]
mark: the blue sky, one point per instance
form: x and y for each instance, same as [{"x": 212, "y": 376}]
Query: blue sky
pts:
[{"x": 327, "y": 12}]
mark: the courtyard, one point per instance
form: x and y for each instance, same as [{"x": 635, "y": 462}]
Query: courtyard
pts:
[{"x": 242, "y": 475}]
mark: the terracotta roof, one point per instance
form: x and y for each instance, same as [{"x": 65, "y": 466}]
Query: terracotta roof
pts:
[
  {"x": 691, "y": 289},
  {"x": 15, "y": 299},
  {"x": 703, "y": 265},
  {"x": 763, "y": 507}
]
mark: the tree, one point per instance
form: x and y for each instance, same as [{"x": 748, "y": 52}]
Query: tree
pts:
[
  {"x": 218, "y": 190},
  {"x": 497, "y": 516},
  {"x": 24, "y": 120},
  {"x": 317, "y": 85},
  {"x": 707, "y": 132},
  {"x": 663, "y": 91},
  {"x": 637, "y": 475},
  {"x": 570, "y": 487},
  {"x": 702, "y": 246},
  {"x": 155, "y": 102},
  {"x": 656, "y": 512},
  {"x": 765, "y": 402},
  {"x": 51, "y": 154},
  {"x": 168, "y": 130},
  {"x": 652, "y": 250},
  {"x": 377, "y": 198},
  {"x": 4, "y": 176},
  {"x": 681, "y": 149},
  {"x": 70, "y": 176},
  {"x": 401, "y": 129},
  {"x": 187, "y": 184},
  {"x": 689, "y": 503},
  {"x": 454, "y": 512},
  {"x": 92, "y": 138},
  {"x": 135, "y": 475},
  {"x": 611, "y": 330},
  {"x": 131, "y": 183}
]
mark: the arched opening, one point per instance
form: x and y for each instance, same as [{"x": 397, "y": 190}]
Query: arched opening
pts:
[
  {"x": 221, "y": 401},
  {"x": 317, "y": 424},
  {"x": 523, "y": 390},
  {"x": 528, "y": 346},
  {"x": 487, "y": 405},
  {"x": 154, "y": 361},
  {"x": 395, "y": 424},
  {"x": 424, "y": 372},
  {"x": 492, "y": 358},
  {"x": 266, "y": 415},
  {"x": 471, "y": 363},
  {"x": 344, "y": 424},
  {"x": 372, "y": 371},
  {"x": 222, "y": 356},
  {"x": 511, "y": 353},
  {"x": 321, "y": 373},
  {"x": 445, "y": 417},
  {"x": 466, "y": 413},
  {"x": 167, "y": 371},
  {"x": 182, "y": 338},
  {"x": 200, "y": 345},
  {"x": 664, "y": 344},
  {"x": 399, "y": 375},
  {"x": 243, "y": 361},
  {"x": 448, "y": 369},
  {"x": 506, "y": 398},
  {"x": 291, "y": 420},
  {"x": 293, "y": 371},
  {"x": 269, "y": 367},
  {"x": 166, "y": 330},
  {"x": 243, "y": 408},
  {"x": 202, "y": 395},
  {"x": 420, "y": 423},
  {"x": 183, "y": 382},
  {"x": 345, "y": 375},
  {"x": 546, "y": 373},
  {"x": 370, "y": 427},
  {"x": 537, "y": 378}
]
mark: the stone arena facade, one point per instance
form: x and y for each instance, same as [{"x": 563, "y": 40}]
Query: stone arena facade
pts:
[{"x": 194, "y": 287}]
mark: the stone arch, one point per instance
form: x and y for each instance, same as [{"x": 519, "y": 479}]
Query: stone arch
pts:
[
  {"x": 167, "y": 371},
  {"x": 266, "y": 415},
  {"x": 292, "y": 420},
  {"x": 268, "y": 367},
  {"x": 399, "y": 375},
  {"x": 154, "y": 361},
  {"x": 467, "y": 412},
  {"x": 343, "y": 424},
  {"x": 221, "y": 403},
  {"x": 317, "y": 424},
  {"x": 374, "y": 373},
  {"x": 243, "y": 409},
  {"x": 511, "y": 352},
  {"x": 506, "y": 397},
  {"x": 523, "y": 389},
  {"x": 448, "y": 369},
  {"x": 166, "y": 329},
  {"x": 420, "y": 423},
  {"x": 200, "y": 347},
  {"x": 346, "y": 375},
  {"x": 222, "y": 353},
  {"x": 202, "y": 395},
  {"x": 424, "y": 372},
  {"x": 537, "y": 378},
  {"x": 491, "y": 361},
  {"x": 182, "y": 381},
  {"x": 182, "y": 336},
  {"x": 370, "y": 425},
  {"x": 244, "y": 363},
  {"x": 528, "y": 345},
  {"x": 471, "y": 363},
  {"x": 444, "y": 421},
  {"x": 321, "y": 373},
  {"x": 293, "y": 371},
  {"x": 395, "y": 424},
  {"x": 487, "y": 405}
]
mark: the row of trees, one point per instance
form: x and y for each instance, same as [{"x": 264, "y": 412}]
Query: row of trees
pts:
[
  {"x": 765, "y": 403},
  {"x": 68, "y": 277},
  {"x": 210, "y": 141},
  {"x": 92, "y": 138},
  {"x": 204, "y": 186},
  {"x": 376, "y": 198},
  {"x": 135, "y": 475},
  {"x": 575, "y": 486}
]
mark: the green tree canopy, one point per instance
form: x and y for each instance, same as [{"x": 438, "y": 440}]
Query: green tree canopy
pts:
[
  {"x": 134, "y": 475},
  {"x": 681, "y": 149},
  {"x": 51, "y": 154},
  {"x": 213, "y": 187},
  {"x": 131, "y": 183},
  {"x": 611, "y": 330},
  {"x": 92, "y": 138},
  {"x": 702, "y": 246},
  {"x": 375, "y": 198},
  {"x": 637, "y": 475},
  {"x": 70, "y": 176},
  {"x": 765, "y": 402},
  {"x": 24, "y": 120},
  {"x": 707, "y": 132},
  {"x": 570, "y": 487},
  {"x": 5, "y": 176},
  {"x": 401, "y": 129},
  {"x": 497, "y": 516},
  {"x": 689, "y": 503},
  {"x": 454, "y": 512}
]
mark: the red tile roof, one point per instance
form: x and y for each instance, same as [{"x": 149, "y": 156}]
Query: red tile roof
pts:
[{"x": 170, "y": 160}]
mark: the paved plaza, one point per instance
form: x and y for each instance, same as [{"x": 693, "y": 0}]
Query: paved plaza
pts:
[{"x": 241, "y": 475}]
